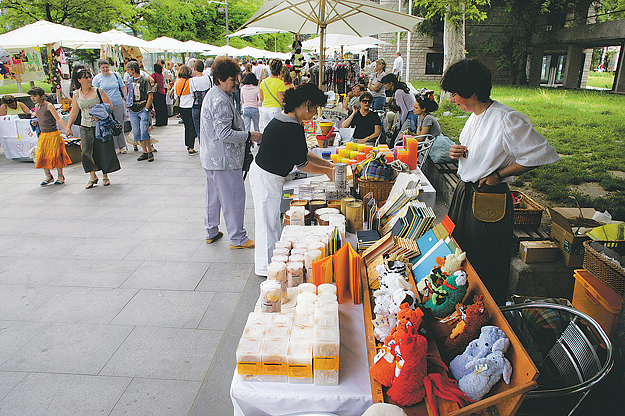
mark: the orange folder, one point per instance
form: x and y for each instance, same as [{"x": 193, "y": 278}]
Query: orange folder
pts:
[{"x": 346, "y": 266}]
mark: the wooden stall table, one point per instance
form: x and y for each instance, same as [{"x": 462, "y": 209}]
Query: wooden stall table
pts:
[{"x": 503, "y": 399}]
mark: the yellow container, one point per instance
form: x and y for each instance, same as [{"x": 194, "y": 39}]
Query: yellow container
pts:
[{"x": 596, "y": 299}]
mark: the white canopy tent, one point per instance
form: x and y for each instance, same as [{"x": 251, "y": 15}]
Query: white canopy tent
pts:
[
  {"x": 166, "y": 44},
  {"x": 44, "y": 32},
  {"x": 199, "y": 46},
  {"x": 225, "y": 50},
  {"x": 254, "y": 52}
]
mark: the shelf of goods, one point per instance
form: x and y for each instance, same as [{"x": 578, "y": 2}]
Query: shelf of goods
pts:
[{"x": 506, "y": 398}]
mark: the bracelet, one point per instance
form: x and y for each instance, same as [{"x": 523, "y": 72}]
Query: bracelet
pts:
[{"x": 499, "y": 176}]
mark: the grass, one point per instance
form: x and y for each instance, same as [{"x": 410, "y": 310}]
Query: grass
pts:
[
  {"x": 587, "y": 129},
  {"x": 600, "y": 79},
  {"x": 12, "y": 88}
]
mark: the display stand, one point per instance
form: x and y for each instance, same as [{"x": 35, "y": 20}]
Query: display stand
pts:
[{"x": 506, "y": 398}]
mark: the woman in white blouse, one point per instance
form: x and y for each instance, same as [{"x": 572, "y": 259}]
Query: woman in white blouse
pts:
[{"x": 496, "y": 144}]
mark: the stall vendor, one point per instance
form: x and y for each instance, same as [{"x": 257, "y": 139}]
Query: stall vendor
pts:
[
  {"x": 496, "y": 144},
  {"x": 283, "y": 146},
  {"x": 10, "y": 106},
  {"x": 367, "y": 123}
]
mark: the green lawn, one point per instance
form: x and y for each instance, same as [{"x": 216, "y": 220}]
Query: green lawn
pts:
[
  {"x": 12, "y": 88},
  {"x": 586, "y": 127},
  {"x": 600, "y": 79}
]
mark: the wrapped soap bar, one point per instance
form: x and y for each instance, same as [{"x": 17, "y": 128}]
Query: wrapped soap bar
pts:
[
  {"x": 254, "y": 332},
  {"x": 326, "y": 356},
  {"x": 327, "y": 307},
  {"x": 303, "y": 321},
  {"x": 275, "y": 367},
  {"x": 278, "y": 332},
  {"x": 294, "y": 273},
  {"x": 303, "y": 333},
  {"x": 258, "y": 319},
  {"x": 249, "y": 359},
  {"x": 270, "y": 296},
  {"x": 299, "y": 360},
  {"x": 282, "y": 319},
  {"x": 326, "y": 320}
]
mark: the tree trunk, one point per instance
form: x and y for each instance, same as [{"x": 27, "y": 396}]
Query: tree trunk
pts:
[{"x": 453, "y": 46}]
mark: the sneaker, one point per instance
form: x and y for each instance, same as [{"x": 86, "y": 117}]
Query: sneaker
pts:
[
  {"x": 193, "y": 152},
  {"x": 217, "y": 237},
  {"x": 135, "y": 148},
  {"x": 143, "y": 156},
  {"x": 154, "y": 149},
  {"x": 247, "y": 244},
  {"x": 150, "y": 157}
]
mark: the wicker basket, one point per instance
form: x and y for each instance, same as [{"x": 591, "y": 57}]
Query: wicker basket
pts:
[
  {"x": 380, "y": 189},
  {"x": 603, "y": 269},
  {"x": 527, "y": 212}
]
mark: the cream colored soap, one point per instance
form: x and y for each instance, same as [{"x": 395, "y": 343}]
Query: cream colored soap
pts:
[{"x": 299, "y": 359}]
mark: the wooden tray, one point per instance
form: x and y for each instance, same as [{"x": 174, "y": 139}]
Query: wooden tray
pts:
[{"x": 506, "y": 398}]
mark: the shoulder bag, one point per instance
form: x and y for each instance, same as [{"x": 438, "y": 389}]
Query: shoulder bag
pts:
[
  {"x": 176, "y": 106},
  {"x": 272, "y": 96},
  {"x": 116, "y": 127}
]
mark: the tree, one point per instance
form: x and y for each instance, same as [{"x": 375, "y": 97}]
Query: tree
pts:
[
  {"x": 82, "y": 14},
  {"x": 455, "y": 13}
]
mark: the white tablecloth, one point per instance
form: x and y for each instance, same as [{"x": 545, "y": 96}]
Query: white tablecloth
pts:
[
  {"x": 350, "y": 398},
  {"x": 16, "y": 137}
]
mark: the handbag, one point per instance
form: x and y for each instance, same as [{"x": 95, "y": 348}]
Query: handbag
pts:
[
  {"x": 488, "y": 207},
  {"x": 377, "y": 169},
  {"x": 176, "y": 106},
  {"x": 248, "y": 158},
  {"x": 116, "y": 127}
]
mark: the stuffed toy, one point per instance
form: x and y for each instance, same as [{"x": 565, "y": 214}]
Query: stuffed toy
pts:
[
  {"x": 453, "y": 262},
  {"x": 486, "y": 372},
  {"x": 448, "y": 294},
  {"x": 392, "y": 292},
  {"x": 467, "y": 328},
  {"x": 491, "y": 339},
  {"x": 411, "y": 368}
]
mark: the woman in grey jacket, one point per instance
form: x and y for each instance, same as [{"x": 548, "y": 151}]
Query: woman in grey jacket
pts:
[{"x": 222, "y": 150}]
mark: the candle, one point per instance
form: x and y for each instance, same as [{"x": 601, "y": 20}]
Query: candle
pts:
[
  {"x": 326, "y": 288},
  {"x": 299, "y": 250},
  {"x": 334, "y": 157},
  {"x": 271, "y": 300},
  {"x": 403, "y": 156},
  {"x": 296, "y": 257},
  {"x": 305, "y": 308},
  {"x": 303, "y": 322},
  {"x": 277, "y": 271},
  {"x": 295, "y": 272},
  {"x": 300, "y": 245},
  {"x": 306, "y": 297},
  {"x": 327, "y": 297},
  {"x": 354, "y": 154},
  {"x": 318, "y": 246},
  {"x": 361, "y": 147},
  {"x": 354, "y": 216},
  {"x": 349, "y": 146},
  {"x": 281, "y": 251},
  {"x": 368, "y": 148},
  {"x": 413, "y": 150},
  {"x": 360, "y": 156},
  {"x": 286, "y": 244},
  {"x": 306, "y": 287},
  {"x": 344, "y": 203},
  {"x": 341, "y": 152},
  {"x": 280, "y": 258},
  {"x": 310, "y": 257},
  {"x": 389, "y": 157}
]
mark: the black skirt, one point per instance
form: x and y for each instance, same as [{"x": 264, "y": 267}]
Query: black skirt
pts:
[
  {"x": 96, "y": 154},
  {"x": 487, "y": 244}
]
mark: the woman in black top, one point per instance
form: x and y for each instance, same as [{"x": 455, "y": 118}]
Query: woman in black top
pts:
[
  {"x": 283, "y": 146},
  {"x": 367, "y": 123}
]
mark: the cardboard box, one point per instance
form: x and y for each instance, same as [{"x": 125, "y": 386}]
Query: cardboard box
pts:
[
  {"x": 568, "y": 235},
  {"x": 537, "y": 251}
]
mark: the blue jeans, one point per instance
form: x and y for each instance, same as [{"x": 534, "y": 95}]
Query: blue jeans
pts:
[
  {"x": 378, "y": 103},
  {"x": 251, "y": 114},
  {"x": 195, "y": 114},
  {"x": 140, "y": 122}
]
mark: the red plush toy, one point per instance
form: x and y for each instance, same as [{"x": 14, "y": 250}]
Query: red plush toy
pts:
[
  {"x": 411, "y": 369},
  {"x": 467, "y": 329},
  {"x": 383, "y": 368}
]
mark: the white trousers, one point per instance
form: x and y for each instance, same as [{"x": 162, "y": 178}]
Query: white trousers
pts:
[
  {"x": 267, "y": 194},
  {"x": 266, "y": 114}
]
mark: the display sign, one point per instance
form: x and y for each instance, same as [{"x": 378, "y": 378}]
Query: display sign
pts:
[{"x": 24, "y": 65}]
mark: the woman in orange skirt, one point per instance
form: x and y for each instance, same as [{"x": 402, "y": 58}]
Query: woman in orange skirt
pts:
[{"x": 50, "y": 146}]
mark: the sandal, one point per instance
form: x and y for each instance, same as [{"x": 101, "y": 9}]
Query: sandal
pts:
[
  {"x": 91, "y": 182},
  {"x": 136, "y": 149},
  {"x": 60, "y": 180},
  {"x": 106, "y": 182},
  {"x": 47, "y": 180},
  {"x": 123, "y": 151}
]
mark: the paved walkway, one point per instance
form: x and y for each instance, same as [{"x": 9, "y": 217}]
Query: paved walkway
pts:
[{"x": 111, "y": 302}]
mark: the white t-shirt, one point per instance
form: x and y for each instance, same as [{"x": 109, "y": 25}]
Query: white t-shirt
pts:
[
  {"x": 499, "y": 137},
  {"x": 398, "y": 66},
  {"x": 202, "y": 83},
  {"x": 374, "y": 80}
]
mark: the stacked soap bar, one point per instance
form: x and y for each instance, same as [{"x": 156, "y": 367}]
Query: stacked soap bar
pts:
[{"x": 298, "y": 348}]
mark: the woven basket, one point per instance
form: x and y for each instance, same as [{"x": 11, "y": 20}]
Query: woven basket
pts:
[
  {"x": 380, "y": 189},
  {"x": 527, "y": 212},
  {"x": 603, "y": 269}
]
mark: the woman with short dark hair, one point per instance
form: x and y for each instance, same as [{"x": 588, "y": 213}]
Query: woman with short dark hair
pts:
[
  {"x": 9, "y": 105},
  {"x": 496, "y": 144},
  {"x": 366, "y": 122},
  {"x": 284, "y": 146},
  {"x": 222, "y": 152},
  {"x": 250, "y": 101},
  {"x": 182, "y": 90}
]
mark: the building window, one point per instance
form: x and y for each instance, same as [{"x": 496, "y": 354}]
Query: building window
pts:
[{"x": 434, "y": 64}]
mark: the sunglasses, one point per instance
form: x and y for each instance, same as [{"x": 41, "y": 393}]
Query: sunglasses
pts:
[
  {"x": 366, "y": 101},
  {"x": 10, "y": 101}
]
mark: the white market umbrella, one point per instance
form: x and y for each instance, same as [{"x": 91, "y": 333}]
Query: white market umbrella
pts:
[
  {"x": 166, "y": 44},
  {"x": 199, "y": 46},
  {"x": 333, "y": 40},
  {"x": 225, "y": 50},
  {"x": 251, "y": 31},
  {"x": 116, "y": 37},
  {"x": 345, "y": 17},
  {"x": 44, "y": 32},
  {"x": 254, "y": 52}
]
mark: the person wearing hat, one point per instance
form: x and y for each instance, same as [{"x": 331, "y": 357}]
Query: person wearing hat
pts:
[{"x": 10, "y": 106}]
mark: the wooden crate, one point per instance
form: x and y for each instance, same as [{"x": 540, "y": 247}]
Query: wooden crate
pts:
[{"x": 505, "y": 398}]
